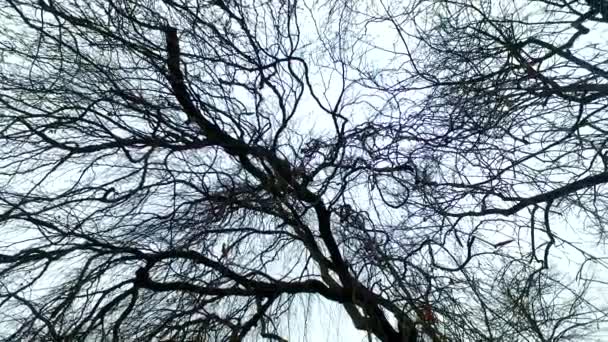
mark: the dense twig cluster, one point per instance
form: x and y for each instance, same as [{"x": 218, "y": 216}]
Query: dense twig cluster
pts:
[{"x": 185, "y": 170}]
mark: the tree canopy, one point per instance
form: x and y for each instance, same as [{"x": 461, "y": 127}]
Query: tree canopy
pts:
[{"x": 191, "y": 170}]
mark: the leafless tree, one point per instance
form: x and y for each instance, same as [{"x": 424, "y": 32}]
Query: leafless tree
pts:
[{"x": 187, "y": 170}]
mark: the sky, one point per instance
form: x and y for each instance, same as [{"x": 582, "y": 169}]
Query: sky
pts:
[{"x": 327, "y": 321}]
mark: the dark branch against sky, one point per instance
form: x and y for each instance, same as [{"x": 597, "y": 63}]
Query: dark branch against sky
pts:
[{"x": 185, "y": 170}]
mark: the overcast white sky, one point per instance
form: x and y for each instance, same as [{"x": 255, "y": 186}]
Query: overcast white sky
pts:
[
  {"x": 327, "y": 321},
  {"x": 332, "y": 324}
]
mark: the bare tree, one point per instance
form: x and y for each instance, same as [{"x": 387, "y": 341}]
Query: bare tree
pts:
[{"x": 187, "y": 170}]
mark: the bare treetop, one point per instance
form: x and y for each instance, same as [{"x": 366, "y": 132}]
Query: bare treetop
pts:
[{"x": 197, "y": 170}]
